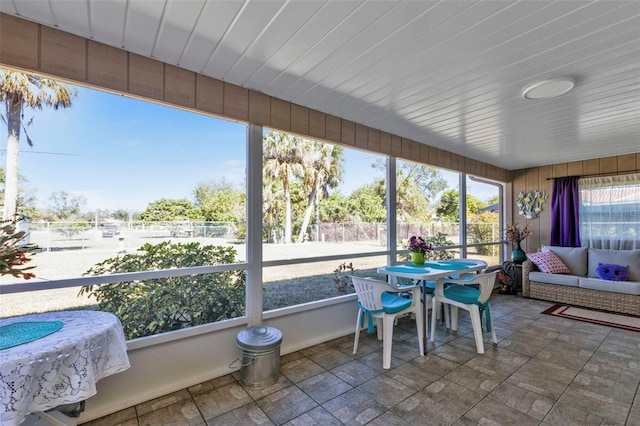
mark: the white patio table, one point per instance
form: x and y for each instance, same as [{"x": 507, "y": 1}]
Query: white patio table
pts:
[
  {"x": 431, "y": 271},
  {"x": 59, "y": 368}
]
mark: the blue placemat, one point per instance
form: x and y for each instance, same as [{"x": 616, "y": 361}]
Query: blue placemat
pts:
[
  {"x": 413, "y": 265},
  {"x": 23, "y": 332},
  {"x": 415, "y": 269},
  {"x": 460, "y": 262},
  {"x": 447, "y": 267}
]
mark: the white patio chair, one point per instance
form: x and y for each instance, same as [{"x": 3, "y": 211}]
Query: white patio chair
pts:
[
  {"x": 382, "y": 302},
  {"x": 462, "y": 294}
]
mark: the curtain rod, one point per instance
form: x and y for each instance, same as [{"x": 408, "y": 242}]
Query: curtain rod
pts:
[{"x": 597, "y": 174}]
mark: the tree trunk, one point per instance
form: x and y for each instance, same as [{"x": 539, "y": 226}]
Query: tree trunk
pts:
[
  {"x": 287, "y": 212},
  {"x": 307, "y": 215},
  {"x": 14, "y": 109}
]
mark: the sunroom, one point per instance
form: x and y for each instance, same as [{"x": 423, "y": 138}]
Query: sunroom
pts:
[{"x": 413, "y": 99}]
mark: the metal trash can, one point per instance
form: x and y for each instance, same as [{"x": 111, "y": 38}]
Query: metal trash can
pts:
[{"x": 260, "y": 348}]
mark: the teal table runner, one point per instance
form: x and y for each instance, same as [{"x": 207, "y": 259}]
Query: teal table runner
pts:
[
  {"x": 23, "y": 332},
  {"x": 460, "y": 262},
  {"x": 446, "y": 267},
  {"x": 408, "y": 269}
]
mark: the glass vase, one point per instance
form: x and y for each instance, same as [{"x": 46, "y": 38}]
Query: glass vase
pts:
[{"x": 518, "y": 255}]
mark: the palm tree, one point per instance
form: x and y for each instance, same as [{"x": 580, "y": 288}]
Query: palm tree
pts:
[
  {"x": 324, "y": 169},
  {"x": 283, "y": 161},
  {"x": 18, "y": 90}
]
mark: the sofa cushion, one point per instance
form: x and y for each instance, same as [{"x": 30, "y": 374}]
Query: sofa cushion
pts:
[
  {"x": 574, "y": 257},
  {"x": 560, "y": 279},
  {"x": 618, "y": 257},
  {"x": 548, "y": 262},
  {"x": 626, "y": 287}
]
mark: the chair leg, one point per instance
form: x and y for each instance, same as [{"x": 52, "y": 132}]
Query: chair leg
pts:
[
  {"x": 419, "y": 322},
  {"x": 453, "y": 317},
  {"x": 357, "y": 338},
  {"x": 387, "y": 340},
  {"x": 477, "y": 327},
  {"x": 494, "y": 338},
  {"x": 379, "y": 328},
  {"x": 434, "y": 305}
]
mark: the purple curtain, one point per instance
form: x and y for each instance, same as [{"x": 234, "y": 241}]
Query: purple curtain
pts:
[{"x": 565, "y": 203}]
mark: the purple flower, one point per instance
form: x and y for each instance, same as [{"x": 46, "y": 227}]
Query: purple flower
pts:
[{"x": 417, "y": 244}]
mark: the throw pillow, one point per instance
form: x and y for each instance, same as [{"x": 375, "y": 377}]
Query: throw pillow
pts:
[
  {"x": 548, "y": 262},
  {"x": 612, "y": 272}
]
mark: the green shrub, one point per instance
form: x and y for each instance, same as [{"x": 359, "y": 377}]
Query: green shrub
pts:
[
  {"x": 153, "y": 306},
  {"x": 439, "y": 240},
  {"x": 484, "y": 228}
]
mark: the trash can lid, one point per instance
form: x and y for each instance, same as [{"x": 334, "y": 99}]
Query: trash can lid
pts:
[{"x": 260, "y": 338}]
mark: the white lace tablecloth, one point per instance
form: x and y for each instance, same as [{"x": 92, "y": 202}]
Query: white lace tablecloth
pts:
[{"x": 60, "y": 368}]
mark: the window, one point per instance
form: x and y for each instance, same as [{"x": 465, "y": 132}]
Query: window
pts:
[
  {"x": 322, "y": 204},
  {"x": 610, "y": 211},
  {"x": 427, "y": 205},
  {"x": 116, "y": 185},
  {"x": 484, "y": 231}
]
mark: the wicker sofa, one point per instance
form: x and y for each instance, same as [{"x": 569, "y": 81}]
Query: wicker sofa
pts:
[{"x": 582, "y": 287}]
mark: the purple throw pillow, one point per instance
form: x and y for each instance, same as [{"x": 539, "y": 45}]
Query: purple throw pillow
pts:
[{"x": 612, "y": 272}]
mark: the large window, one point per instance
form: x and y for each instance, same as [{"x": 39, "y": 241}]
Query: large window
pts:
[
  {"x": 322, "y": 204},
  {"x": 428, "y": 203},
  {"x": 610, "y": 211},
  {"x": 427, "y": 206},
  {"x": 484, "y": 231},
  {"x": 115, "y": 185}
]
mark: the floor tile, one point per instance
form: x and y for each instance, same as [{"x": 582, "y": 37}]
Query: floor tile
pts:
[
  {"x": 543, "y": 378},
  {"x": 489, "y": 410},
  {"x": 329, "y": 358},
  {"x": 300, "y": 369},
  {"x": 388, "y": 419},
  {"x": 182, "y": 413},
  {"x": 385, "y": 390},
  {"x": 355, "y": 372},
  {"x": 416, "y": 376},
  {"x": 221, "y": 400},
  {"x": 249, "y": 414},
  {"x": 563, "y": 414},
  {"x": 523, "y": 400},
  {"x": 286, "y": 404},
  {"x": 257, "y": 393},
  {"x": 324, "y": 386},
  {"x": 354, "y": 408},
  {"x": 474, "y": 379},
  {"x": 317, "y": 416}
]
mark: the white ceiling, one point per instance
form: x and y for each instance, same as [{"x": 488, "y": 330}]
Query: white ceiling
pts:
[{"x": 446, "y": 73}]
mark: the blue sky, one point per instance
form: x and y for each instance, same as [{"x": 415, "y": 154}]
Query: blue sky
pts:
[
  {"x": 121, "y": 153},
  {"x": 124, "y": 153}
]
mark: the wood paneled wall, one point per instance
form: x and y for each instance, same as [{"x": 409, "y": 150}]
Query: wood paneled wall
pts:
[
  {"x": 536, "y": 179},
  {"x": 36, "y": 48}
]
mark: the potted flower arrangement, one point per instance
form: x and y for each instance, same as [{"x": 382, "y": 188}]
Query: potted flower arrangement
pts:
[
  {"x": 516, "y": 235},
  {"x": 418, "y": 248}
]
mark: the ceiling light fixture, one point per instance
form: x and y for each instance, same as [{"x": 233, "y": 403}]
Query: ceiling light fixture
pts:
[{"x": 547, "y": 89}]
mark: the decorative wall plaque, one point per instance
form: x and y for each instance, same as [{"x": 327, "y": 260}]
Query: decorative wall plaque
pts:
[{"x": 530, "y": 203}]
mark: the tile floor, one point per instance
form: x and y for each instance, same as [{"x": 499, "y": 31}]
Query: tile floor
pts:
[{"x": 544, "y": 371}]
